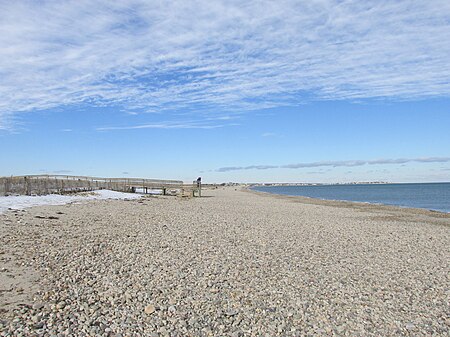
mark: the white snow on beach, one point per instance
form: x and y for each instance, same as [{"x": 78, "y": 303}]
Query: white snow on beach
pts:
[
  {"x": 148, "y": 191},
  {"x": 25, "y": 201}
]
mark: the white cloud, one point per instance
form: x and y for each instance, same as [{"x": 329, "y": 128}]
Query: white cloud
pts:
[
  {"x": 166, "y": 125},
  {"x": 164, "y": 56},
  {"x": 56, "y": 171},
  {"x": 341, "y": 163}
]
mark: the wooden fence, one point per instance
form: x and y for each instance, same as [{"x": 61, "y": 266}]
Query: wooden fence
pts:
[{"x": 46, "y": 184}]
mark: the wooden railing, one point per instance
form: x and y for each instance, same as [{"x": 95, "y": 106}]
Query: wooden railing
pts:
[{"x": 46, "y": 184}]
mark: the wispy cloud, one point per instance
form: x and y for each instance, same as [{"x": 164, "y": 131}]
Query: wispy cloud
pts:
[
  {"x": 268, "y": 134},
  {"x": 343, "y": 163},
  {"x": 169, "y": 55},
  {"x": 56, "y": 171},
  {"x": 167, "y": 125}
]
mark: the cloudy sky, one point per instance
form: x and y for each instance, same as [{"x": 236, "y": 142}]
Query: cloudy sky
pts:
[{"x": 233, "y": 91}]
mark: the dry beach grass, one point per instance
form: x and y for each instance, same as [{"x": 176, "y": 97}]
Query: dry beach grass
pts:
[{"x": 233, "y": 263}]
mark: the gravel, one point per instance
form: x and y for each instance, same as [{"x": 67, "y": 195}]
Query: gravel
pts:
[{"x": 232, "y": 263}]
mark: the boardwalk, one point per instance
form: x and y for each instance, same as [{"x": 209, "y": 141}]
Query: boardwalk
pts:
[{"x": 46, "y": 184}]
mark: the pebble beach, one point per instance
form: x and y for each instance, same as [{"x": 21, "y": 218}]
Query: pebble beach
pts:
[{"x": 231, "y": 263}]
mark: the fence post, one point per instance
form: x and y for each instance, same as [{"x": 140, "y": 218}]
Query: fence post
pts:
[
  {"x": 44, "y": 184},
  {"x": 7, "y": 186},
  {"x": 27, "y": 186}
]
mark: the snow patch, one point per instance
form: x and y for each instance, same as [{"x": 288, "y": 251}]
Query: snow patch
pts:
[
  {"x": 25, "y": 201},
  {"x": 149, "y": 191}
]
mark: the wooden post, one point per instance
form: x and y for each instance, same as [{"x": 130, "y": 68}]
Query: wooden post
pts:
[
  {"x": 46, "y": 185},
  {"x": 197, "y": 186},
  {"x": 27, "y": 186},
  {"x": 7, "y": 186},
  {"x": 5, "y": 182}
]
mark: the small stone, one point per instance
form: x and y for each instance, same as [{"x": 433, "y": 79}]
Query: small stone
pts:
[
  {"x": 340, "y": 329},
  {"x": 231, "y": 312},
  {"x": 163, "y": 331},
  {"x": 39, "y": 325},
  {"x": 149, "y": 309},
  {"x": 38, "y": 306},
  {"x": 60, "y": 305},
  {"x": 237, "y": 333},
  {"x": 410, "y": 326}
]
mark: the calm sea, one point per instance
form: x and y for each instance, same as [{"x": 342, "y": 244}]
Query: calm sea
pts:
[{"x": 433, "y": 196}]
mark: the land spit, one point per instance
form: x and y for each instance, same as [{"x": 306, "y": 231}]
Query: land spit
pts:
[{"x": 232, "y": 263}]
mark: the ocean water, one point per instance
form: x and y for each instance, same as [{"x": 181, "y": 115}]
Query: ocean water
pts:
[{"x": 432, "y": 196}]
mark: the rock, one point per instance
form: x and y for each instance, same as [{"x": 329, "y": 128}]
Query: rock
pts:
[
  {"x": 231, "y": 312},
  {"x": 38, "y": 306},
  {"x": 237, "y": 333},
  {"x": 410, "y": 326},
  {"x": 60, "y": 305},
  {"x": 163, "y": 331},
  {"x": 38, "y": 325},
  {"x": 340, "y": 329},
  {"x": 149, "y": 309}
]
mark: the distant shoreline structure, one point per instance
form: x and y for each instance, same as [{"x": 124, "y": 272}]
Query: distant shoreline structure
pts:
[{"x": 321, "y": 184}]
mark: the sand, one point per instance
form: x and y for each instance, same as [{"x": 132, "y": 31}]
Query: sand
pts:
[{"x": 232, "y": 263}]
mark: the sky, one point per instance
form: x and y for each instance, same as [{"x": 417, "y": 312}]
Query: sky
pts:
[{"x": 256, "y": 91}]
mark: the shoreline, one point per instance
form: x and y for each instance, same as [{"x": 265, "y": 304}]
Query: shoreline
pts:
[
  {"x": 355, "y": 204},
  {"x": 235, "y": 262}
]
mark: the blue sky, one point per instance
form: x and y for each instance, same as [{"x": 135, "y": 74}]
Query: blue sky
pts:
[{"x": 296, "y": 91}]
